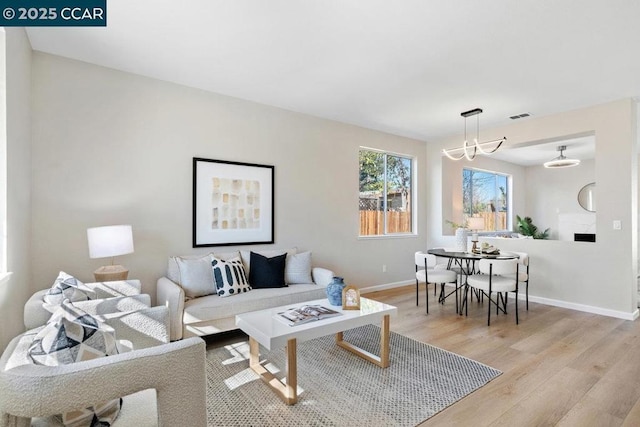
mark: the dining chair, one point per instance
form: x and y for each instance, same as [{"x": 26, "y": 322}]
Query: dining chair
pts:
[
  {"x": 426, "y": 273},
  {"x": 496, "y": 275},
  {"x": 463, "y": 267},
  {"x": 523, "y": 273}
]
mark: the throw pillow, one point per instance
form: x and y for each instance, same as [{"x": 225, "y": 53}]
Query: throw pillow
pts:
[
  {"x": 229, "y": 277},
  {"x": 67, "y": 287},
  {"x": 246, "y": 256},
  {"x": 196, "y": 277},
  {"x": 267, "y": 272},
  {"x": 72, "y": 335},
  {"x": 298, "y": 269}
]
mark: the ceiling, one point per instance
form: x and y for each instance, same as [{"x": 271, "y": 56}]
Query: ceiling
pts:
[
  {"x": 405, "y": 67},
  {"x": 535, "y": 153}
]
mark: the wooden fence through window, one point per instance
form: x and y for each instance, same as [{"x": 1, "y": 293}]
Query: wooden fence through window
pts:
[
  {"x": 490, "y": 220},
  {"x": 372, "y": 222}
]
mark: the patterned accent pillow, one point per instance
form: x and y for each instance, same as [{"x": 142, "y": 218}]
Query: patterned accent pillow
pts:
[
  {"x": 229, "y": 277},
  {"x": 72, "y": 335},
  {"x": 298, "y": 269},
  {"x": 67, "y": 287}
]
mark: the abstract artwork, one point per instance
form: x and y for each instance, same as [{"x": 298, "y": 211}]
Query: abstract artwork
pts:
[{"x": 232, "y": 203}]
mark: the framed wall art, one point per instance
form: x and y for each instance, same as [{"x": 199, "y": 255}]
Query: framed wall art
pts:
[{"x": 232, "y": 203}]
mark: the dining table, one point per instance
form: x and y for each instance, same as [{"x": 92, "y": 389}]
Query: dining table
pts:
[{"x": 466, "y": 262}]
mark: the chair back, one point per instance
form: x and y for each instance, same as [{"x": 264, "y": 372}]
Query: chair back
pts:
[
  {"x": 498, "y": 266},
  {"x": 425, "y": 260},
  {"x": 523, "y": 258}
]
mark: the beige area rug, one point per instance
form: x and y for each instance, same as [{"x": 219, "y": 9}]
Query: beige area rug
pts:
[{"x": 337, "y": 388}]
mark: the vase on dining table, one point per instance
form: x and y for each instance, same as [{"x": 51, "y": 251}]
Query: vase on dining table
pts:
[{"x": 461, "y": 239}]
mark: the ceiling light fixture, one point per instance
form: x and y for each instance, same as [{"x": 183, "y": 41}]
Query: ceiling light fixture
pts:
[
  {"x": 469, "y": 150},
  {"x": 562, "y": 161}
]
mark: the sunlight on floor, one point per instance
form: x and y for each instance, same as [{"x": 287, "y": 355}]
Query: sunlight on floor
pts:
[
  {"x": 238, "y": 351},
  {"x": 241, "y": 378}
]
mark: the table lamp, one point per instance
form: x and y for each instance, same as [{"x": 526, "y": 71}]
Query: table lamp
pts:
[
  {"x": 110, "y": 241},
  {"x": 475, "y": 223}
]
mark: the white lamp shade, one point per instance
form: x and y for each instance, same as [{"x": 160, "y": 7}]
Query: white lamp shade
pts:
[
  {"x": 110, "y": 241},
  {"x": 475, "y": 223}
]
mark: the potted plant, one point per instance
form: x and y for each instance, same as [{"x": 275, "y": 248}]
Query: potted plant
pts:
[{"x": 527, "y": 228}]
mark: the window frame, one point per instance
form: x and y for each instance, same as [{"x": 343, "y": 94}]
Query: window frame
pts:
[
  {"x": 413, "y": 196},
  {"x": 509, "y": 202}
]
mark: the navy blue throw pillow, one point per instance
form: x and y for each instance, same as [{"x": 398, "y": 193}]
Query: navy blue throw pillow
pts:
[{"x": 267, "y": 272}]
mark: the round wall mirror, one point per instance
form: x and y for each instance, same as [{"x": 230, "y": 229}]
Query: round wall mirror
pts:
[{"x": 587, "y": 197}]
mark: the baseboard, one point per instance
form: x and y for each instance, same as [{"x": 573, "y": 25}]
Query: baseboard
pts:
[
  {"x": 539, "y": 300},
  {"x": 581, "y": 307},
  {"x": 385, "y": 286}
]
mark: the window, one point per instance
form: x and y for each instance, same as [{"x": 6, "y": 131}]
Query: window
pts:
[
  {"x": 386, "y": 190},
  {"x": 486, "y": 194}
]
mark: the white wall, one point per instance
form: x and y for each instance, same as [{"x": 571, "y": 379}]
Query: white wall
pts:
[
  {"x": 597, "y": 276},
  {"x": 15, "y": 292},
  {"x": 111, "y": 147},
  {"x": 554, "y": 192}
]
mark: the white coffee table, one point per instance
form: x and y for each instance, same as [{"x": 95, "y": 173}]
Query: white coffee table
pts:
[{"x": 265, "y": 329}]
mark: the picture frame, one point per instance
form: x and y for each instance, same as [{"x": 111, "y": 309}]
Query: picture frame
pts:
[
  {"x": 350, "y": 298},
  {"x": 233, "y": 203}
]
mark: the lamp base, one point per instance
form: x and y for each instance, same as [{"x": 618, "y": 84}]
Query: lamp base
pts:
[
  {"x": 109, "y": 273},
  {"x": 474, "y": 248}
]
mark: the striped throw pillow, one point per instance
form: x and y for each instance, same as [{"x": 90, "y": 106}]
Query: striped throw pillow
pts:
[{"x": 229, "y": 277}]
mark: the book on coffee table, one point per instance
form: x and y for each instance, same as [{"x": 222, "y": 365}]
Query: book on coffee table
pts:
[{"x": 306, "y": 313}]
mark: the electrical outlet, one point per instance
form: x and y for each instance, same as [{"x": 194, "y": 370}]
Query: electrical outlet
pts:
[
  {"x": 384, "y": 268},
  {"x": 617, "y": 224}
]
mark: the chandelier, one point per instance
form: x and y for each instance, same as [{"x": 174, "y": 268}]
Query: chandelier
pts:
[
  {"x": 469, "y": 150},
  {"x": 561, "y": 161}
]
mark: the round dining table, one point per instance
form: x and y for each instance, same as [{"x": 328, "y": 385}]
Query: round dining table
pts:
[{"x": 466, "y": 261}]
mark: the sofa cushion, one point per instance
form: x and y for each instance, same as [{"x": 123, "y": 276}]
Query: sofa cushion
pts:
[
  {"x": 172, "y": 265},
  {"x": 267, "y": 272},
  {"x": 214, "y": 308},
  {"x": 229, "y": 277},
  {"x": 67, "y": 287},
  {"x": 196, "y": 277},
  {"x": 72, "y": 336},
  {"x": 298, "y": 269}
]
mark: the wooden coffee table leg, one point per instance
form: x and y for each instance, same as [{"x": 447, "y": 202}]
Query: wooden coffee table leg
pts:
[
  {"x": 383, "y": 359},
  {"x": 287, "y": 392},
  {"x": 384, "y": 342}
]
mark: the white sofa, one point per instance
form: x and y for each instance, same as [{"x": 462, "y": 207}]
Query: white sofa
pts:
[{"x": 212, "y": 314}]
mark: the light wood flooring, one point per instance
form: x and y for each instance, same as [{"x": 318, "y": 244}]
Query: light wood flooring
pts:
[{"x": 560, "y": 367}]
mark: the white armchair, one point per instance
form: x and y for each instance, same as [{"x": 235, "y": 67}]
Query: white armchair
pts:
[
  {"x": 161, "y": 383},
  {"x": 35, "y": 315}
]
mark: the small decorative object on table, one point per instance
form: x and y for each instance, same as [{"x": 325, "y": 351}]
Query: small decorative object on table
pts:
[
  {"x": 351, "y": 298},
  {"x": 487, "y": 249},
  {"x": 334, "y": 291},
  {"x": 475, "y": 223}
]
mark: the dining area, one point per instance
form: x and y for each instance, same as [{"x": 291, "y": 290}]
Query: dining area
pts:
[{"x": 485, "y": 274}]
